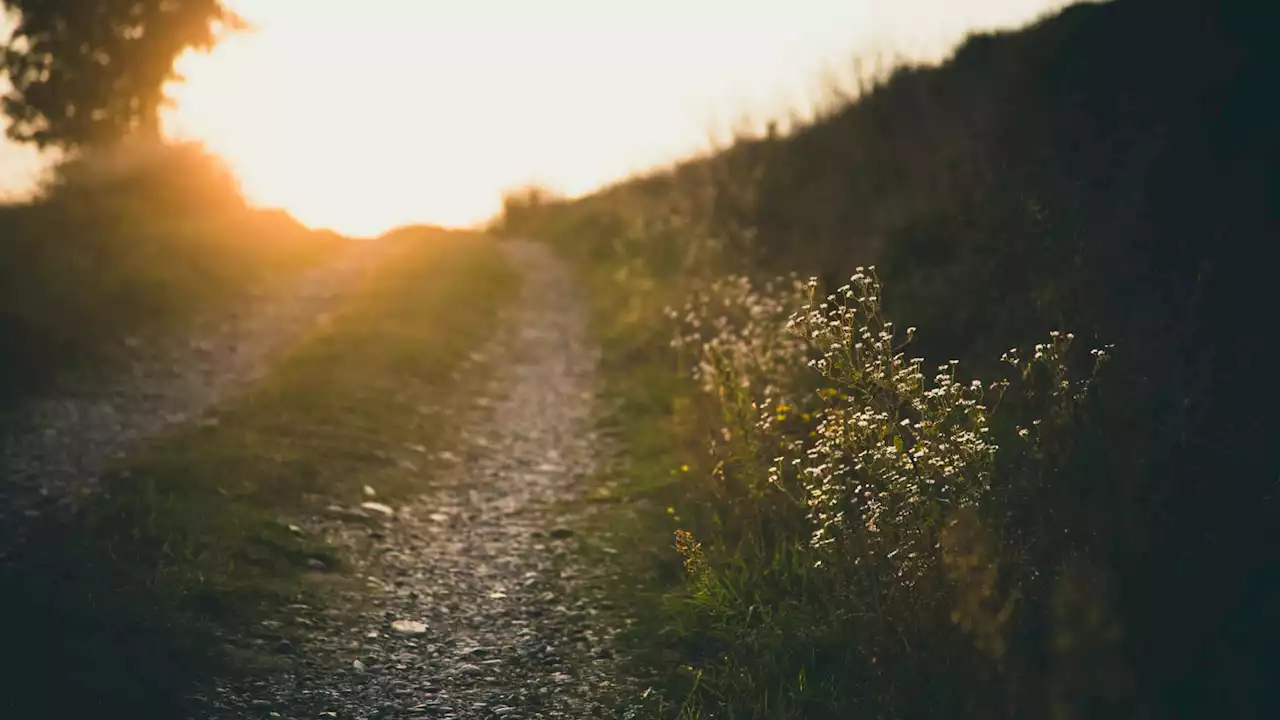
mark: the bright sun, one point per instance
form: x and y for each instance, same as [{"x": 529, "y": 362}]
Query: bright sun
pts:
[
  {"x": 335, "y": 138},
  {"x": 360, "y": 119},
  {"x": 364, "y": 117}
]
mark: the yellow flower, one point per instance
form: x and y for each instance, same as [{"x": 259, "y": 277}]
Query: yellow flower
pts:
[{"x": 684, "y": 468}]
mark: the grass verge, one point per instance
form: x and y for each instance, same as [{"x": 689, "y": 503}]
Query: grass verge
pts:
[
  {"x": 192, "y": 535},
  {"x": 126, "y": 243},
  {"x": 651, "y": 416}
]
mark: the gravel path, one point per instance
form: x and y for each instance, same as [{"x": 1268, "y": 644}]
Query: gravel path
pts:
[
  {"x": 53, "y": 447},
  {"x": 474, "y": 600}
]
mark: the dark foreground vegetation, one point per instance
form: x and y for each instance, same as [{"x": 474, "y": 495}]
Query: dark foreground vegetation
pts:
[
  {"x": 1085, "y": 527},
  {"x": 129, "y": 241}
]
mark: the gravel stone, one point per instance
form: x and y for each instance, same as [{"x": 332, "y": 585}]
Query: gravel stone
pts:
[
  {"x": 409, "y": 627},
  {"x": 379, "y": 508}
]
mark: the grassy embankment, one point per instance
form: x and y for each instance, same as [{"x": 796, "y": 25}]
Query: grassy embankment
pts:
[
  {"x": 876, "y": 538},
  {"x": 129, "y": 242},
  {"x": 120, "y": 609}
]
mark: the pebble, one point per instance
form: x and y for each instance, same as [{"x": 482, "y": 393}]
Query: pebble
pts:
[
  {"x": 379, "y": 508},
  {"x": 409, "y": 627}
]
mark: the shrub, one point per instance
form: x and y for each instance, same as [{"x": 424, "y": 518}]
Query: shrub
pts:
[{"x": 855, "y": 498}]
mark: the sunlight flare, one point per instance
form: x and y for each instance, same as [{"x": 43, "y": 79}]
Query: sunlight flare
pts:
[{"x": 400, "y": 113}]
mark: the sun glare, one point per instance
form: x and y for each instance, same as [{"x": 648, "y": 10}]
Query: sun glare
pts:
[
  {"x": 363, "y": 118},
  {"x": 360, "y": 120},
  {"x": 318, "y": 137},
  {"x": 347, "y": 137}
]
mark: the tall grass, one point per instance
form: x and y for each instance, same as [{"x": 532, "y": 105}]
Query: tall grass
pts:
[{"x": 836, "y": 529}]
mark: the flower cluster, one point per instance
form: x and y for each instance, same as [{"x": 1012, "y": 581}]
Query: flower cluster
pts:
[
  {"x": 894, "y": 449},
  {"x": 734, "y": 330},
  {"x": 885, "y": 451},
  {"x": 734, "y": 336}
]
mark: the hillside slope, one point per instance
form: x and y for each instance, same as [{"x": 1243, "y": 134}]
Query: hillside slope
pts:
[{"x": 1110, "y": 171}]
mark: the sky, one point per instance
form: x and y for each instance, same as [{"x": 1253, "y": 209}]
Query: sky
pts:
[{"x": 365, "y": 116}]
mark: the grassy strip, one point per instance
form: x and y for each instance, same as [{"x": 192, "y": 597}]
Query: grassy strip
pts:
[{"x": 194, "y": 534}]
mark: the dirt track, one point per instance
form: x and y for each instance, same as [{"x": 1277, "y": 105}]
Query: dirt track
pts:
[{"x": 475, "y": 603}]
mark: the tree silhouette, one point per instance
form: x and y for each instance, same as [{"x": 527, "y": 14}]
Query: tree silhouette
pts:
[{"x": 85, "y": 72}]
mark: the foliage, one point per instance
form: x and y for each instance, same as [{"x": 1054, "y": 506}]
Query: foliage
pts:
[
  {"x": 128, "y": 241},
  {"x": 891, "y": 474},
  {"x": 896, "y": 455},
  {"x": 89, "y": 73},
  {"x": 1094, "y": 549}
]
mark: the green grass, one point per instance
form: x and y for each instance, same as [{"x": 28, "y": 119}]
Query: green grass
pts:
[
  {"x": 192, "y": 534},
  {"x": 131, "y": 243},
  {"x": 659, "y": 431}
]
